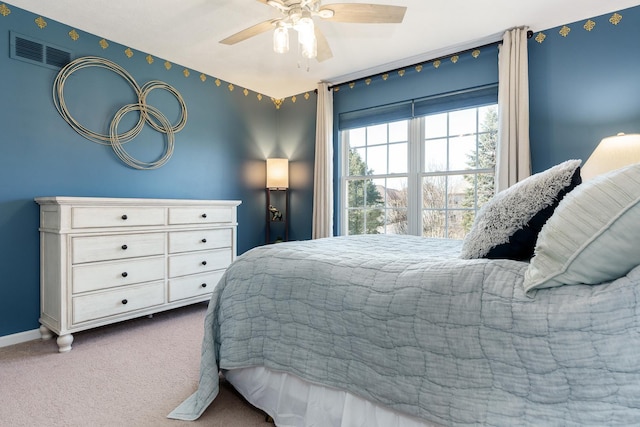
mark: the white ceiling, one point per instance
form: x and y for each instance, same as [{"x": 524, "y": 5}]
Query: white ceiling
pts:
[{"x": 187, "y": 32}]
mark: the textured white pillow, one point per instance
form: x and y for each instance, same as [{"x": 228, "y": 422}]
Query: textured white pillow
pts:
[
  {"x": 593, "y": 235},
  {"x": 507, "y": 226}
]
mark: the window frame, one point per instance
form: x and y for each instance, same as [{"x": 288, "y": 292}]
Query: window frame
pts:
[{"x": 416, "y": 171}]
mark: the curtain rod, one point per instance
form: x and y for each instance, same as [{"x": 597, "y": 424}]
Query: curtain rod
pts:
[{"x": 529, "y": 35}]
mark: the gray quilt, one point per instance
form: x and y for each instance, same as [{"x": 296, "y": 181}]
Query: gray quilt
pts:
[{"x": 403, "y": 321}]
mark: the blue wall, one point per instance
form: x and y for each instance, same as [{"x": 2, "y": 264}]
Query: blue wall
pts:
[
  {"x": 583, "y": 87},
  {"x": 218, "y": 155}
]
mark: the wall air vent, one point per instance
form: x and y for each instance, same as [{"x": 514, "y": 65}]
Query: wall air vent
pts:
[{"x": 34, "y": 51}]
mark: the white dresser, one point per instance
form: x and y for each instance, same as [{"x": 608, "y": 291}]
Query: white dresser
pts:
[{"x": 104, "y": 260}]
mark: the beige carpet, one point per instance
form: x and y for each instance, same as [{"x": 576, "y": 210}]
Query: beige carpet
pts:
[{"x": 128, "y": 374}]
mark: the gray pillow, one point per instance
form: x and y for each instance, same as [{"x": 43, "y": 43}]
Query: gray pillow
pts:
[
  {"x": 593, "y": 236},
  {"x": 507, "y": 226}
]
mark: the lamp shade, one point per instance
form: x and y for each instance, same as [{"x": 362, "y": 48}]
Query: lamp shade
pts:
[
  {"x": 277, "y": 173},
  {"x": 612, "y": 153}
]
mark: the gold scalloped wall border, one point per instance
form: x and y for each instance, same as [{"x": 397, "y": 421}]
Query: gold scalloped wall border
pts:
[
  {"x": 436, "y": 63},
  {"x": 278, "y": 102},
  {"x": 40, "y": 22},
  {"x": 4, "y": 10},
  {"x": 588, "y": 25}
]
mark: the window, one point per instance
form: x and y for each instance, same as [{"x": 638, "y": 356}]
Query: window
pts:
[{"x": 425, "y": 176}]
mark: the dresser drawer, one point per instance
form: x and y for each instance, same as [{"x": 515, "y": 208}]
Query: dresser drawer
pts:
[
  {"x": 200, "y": 262},
  {"x": 126, "y": 216},
  {"x": 92, "y": 277},
  {"x": 201, "y": 215},
  {"x": 117, "y": 301},
  {"x": 118, "y": 246},
  {"x": 186, "y": 241},
  {"x": 194, "y": 285}
]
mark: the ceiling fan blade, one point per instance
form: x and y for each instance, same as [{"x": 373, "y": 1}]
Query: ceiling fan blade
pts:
[
  {"x": 250, "y": 32},
  {"x": 365, "y": 13},
  {"x": 323, "y": 49}
]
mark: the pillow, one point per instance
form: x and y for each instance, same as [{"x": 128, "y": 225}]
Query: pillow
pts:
[
  {"x": 593, "y": 236},
  {"x": 507, "y": 226}
]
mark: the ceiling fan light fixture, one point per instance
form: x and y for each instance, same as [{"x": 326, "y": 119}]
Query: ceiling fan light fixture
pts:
[
  {"x": 305, "y": 28},
  {"x": 309, "y": 49},
  {"x": 281, "y": 39},
  {"x": 326, "y": 13}
]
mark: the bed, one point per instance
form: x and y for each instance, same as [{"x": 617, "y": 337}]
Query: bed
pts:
[{"x": 402, "y": 330}]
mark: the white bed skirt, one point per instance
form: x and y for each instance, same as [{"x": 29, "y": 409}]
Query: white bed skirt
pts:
[{"x": 293, "y": 402}]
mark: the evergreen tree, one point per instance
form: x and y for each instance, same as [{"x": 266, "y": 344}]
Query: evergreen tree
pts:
[
  {"x": 484, "y": 159},
  {"x": 363, "y": 195}
]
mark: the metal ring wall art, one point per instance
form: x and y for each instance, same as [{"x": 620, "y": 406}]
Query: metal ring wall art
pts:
[{"x": 147, "y": 113}]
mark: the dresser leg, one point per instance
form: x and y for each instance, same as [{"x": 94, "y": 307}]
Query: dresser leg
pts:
[
  {"x": 64, "y": 343},
  {"x": 45, "y": 333}
]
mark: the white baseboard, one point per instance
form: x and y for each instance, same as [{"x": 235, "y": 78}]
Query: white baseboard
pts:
[{"x": 20, "y": 337}]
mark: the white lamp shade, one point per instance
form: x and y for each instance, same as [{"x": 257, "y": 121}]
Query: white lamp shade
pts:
[
  {"x": 613, "y": 152},
  {"x": 277, "y": 173}
]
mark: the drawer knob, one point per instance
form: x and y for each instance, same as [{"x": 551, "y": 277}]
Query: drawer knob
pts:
[
  {"x": 124, "y": 301},
  {"x": 204, "y": 240},
  {"x": 124, "y": 247},
  {"x": 204, "y": 262},
  {"x": 204, "y": 215},
  {"x": 124, "y": 217},
  {"x": 125, "y": 274},
  {"x": 204, "y": 285}
]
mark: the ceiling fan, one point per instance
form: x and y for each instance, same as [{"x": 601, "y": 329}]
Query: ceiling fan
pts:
[{"x": 299, "y": 14}]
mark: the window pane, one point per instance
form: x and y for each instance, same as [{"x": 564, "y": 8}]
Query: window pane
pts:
[
  {"x": 374, "y": 221},
  {"x": 357, "y": 165},
  {"x": 376, "y": 193},
  {"x": 456, "y": 191},
  {"x": 462, "y": 122},
  {"x": 377, "y": 159},
  {"x": 479, "y": 189},
  {"x": 455, "y": 227},
  {"x": 397, "y": 192},
  {"x": 398, "y": 158},
  {"x": 485, "y": 188},
  {"x": 399, "y": 131},
  {"x": 377, "y": 134},
  {"x": 487, "y": 115},
  {"x": 434, "y": 190},
  {"x": 357, "y": 137},
  {"x": 397, "y": 222},
  {"x": 355, "y": 194},
  {"x": 356, "y": 222},
  {"x": 462, "y": 153},
  {"x": 433, "y": 223},
  {"x": 435, "y": 155},
  {"x": 435, "y": 126}
]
